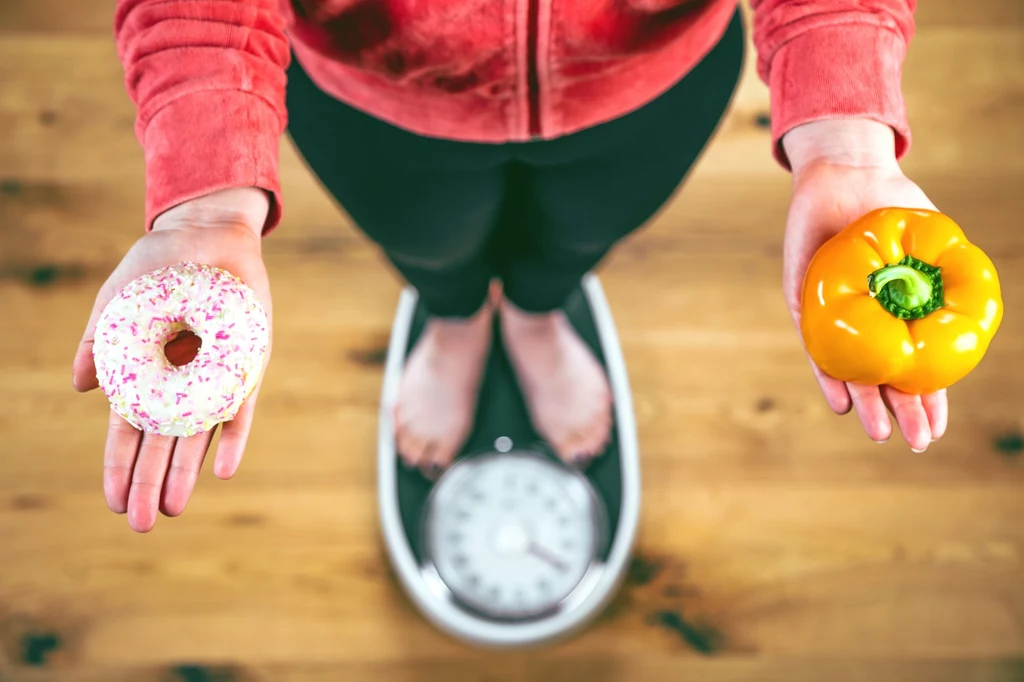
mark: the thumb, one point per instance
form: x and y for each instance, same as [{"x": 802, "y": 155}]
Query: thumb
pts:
[{"x": 83, "y": 376}]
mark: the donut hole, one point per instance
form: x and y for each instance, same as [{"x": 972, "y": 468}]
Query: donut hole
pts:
[{"x": 182, "y": 348}]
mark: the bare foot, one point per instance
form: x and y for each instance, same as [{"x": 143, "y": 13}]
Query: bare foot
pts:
[
  {"x": 438, "y": 393},
  {"x": 563, "y": 383}
]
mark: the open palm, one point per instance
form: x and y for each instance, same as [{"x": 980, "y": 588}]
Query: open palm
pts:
[
  {"x": 148, "y": 473},
  {"x": 826, "y": 198}
]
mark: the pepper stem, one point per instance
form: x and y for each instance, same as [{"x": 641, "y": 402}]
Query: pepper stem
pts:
[{"x": 909, "y": 290}]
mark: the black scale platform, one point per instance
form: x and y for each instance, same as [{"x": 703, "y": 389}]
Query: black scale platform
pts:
[{"x": 502, "y": 412}]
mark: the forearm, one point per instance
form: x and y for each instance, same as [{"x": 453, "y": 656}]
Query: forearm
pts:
[
  {"x": 834, "y": 60},
  {"x": 208, "y": 81}
]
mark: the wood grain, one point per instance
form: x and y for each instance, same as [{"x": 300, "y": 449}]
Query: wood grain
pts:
[{"x": 777, "y": 543}]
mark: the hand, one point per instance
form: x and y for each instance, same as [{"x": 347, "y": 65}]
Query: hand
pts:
[
  {"x": 842, "y": 170},
  {"x": 144, "y": 473}
]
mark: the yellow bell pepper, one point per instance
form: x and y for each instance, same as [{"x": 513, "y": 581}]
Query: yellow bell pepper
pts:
[{"x": 900, "y": 297}]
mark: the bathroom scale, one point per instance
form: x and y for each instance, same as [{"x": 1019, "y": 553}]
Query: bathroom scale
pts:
[{"x": 511, "y": 547}]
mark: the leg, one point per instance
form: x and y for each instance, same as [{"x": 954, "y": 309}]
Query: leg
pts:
[
  {"x": 587, "y": 192},
  {"x": 430, "y": 206}
]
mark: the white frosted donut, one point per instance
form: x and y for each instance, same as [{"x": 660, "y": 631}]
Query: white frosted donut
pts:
[{"x": 143, "y": 386}]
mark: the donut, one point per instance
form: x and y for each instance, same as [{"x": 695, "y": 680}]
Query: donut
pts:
[{"x": 148, "y": 390}]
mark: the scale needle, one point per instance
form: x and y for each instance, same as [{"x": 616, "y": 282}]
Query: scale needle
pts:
[{"x": 541, "y": 553}]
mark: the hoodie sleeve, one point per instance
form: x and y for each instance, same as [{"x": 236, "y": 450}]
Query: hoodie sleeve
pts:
[
  {"x": 208, "y": 81},
  {"x": 832, "y": 59}
]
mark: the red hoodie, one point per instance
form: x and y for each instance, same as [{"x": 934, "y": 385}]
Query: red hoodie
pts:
[{"x": 208, "y": 76}]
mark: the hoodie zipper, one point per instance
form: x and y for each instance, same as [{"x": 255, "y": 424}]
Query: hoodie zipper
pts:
[{"x": 533, "y": 80}]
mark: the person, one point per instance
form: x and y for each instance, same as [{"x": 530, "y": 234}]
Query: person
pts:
[{"x": 483, "y": 141}]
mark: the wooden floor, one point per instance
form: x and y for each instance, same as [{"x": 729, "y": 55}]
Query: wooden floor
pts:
[{"x": 778, "y": 544}]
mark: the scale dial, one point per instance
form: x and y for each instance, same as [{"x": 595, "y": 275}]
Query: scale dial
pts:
[{"x": 512, "y": 534}]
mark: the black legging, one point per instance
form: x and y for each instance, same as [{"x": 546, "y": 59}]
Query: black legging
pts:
[{"x": 450, "y": 216}]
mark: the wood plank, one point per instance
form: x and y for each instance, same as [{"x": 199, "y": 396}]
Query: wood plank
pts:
[
  {"x": 975, "y": 13},
  {"x": 19, "y": 17},
  {"x": 335, "y": 303},
  {"x": 785, "y": 570},
  {"x": 740, "y": 383},
  {"x": 942, "y": 65},
  {"x": 506, "y": 668}
]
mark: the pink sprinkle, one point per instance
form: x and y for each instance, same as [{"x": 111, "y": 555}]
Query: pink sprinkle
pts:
[
  {"x": 222, "y": 335},
  {"x": 186, "y": 414}
]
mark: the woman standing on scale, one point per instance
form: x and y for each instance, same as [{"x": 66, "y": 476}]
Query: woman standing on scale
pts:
[{"x": 475, "y": 140}]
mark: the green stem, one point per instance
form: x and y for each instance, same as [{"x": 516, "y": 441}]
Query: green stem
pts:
[{"x": 909, "y": 290}]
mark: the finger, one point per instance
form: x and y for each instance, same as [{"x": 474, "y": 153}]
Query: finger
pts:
[
  {"x": 148, "y": 481},
  {"x": 936, "y": 406},
  {"x": 233, "y": 438},
  {"x": 234, "y": 435},
  {"x": 836, "y": 392},
  {"x": 119, "y": 455},
  {"x": 910, "y": 417},
  {"x": 186, "y": 462},
  {"x": 874, "y": 417}
]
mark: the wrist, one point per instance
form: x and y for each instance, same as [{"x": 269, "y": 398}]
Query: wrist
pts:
[
  {"x": 235, "y": 207},
  {"x": 861, "y": 143}
]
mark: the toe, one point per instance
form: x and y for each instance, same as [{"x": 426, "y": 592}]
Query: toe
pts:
[
  {"x": 441, "y": 456},
  {"x": 428, "y": 464},
  {"x": 602, "y": 437},
  {"x": 446, "y": 453},
  {"x": 592, "y": 442},
  {"x": 410, "y": 448},
  {"x": 574, "y": 449}
]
